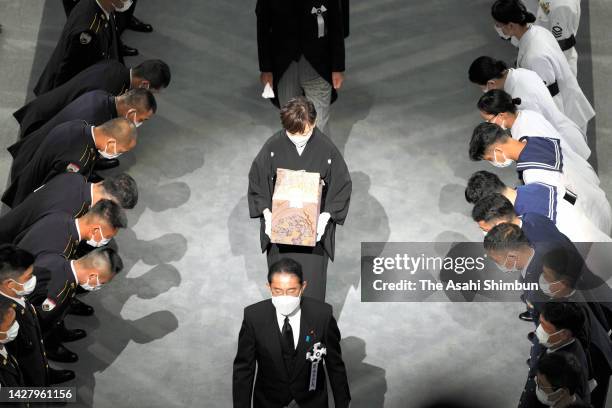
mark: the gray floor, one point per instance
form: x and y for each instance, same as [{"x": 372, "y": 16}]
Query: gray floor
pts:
[{"x": 164, "y": 334}]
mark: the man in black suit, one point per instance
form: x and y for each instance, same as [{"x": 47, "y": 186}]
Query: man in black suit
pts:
[
  {"x": 16, "y": 282},
  {"x": 110, "y": 76},
  {"x": 279, "y": 338},
  {"x": 70, "y": 147},
  {"x": 10, "y": 372},
  {"x": 301, "y": 50},
  {"x": 89, "y": 36},
  {"x": 95, "y": 108}
]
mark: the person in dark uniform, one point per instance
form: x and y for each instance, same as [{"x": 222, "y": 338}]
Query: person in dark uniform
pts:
[
  {"x": 558, "y": 380},
  {"x": 10, "y": 372},
  {"x": 16, "y": 282},
  {"x": 70, "y": 147},
  {"x": 301, "y": 50},
  {"x": 95, "y": 108},
  {"x": 302, "y": 146},
  {"x": 89, "y": 36},
  {"x": 110, "y": 76},
  {"x": 69, "y": 193},
  {"x": 57, "y": 282},
  {"x": 275, "y": 340}
]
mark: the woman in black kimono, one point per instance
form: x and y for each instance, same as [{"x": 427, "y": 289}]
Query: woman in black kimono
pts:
[{"x": 301, "y": 146}]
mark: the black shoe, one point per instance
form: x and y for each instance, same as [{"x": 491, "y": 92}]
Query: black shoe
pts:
[
  {"x": 60, "y": 376},
  {"x": 137, "y": 25},
  {"x": 62, "y": 355},
  {"x": 526, "y": 317},
  {"x": 67, "y": 335},
  {"x": 127, "y": 51},
  {"x": 80, "y": 309},
  {"x": 105, "y": 164}
]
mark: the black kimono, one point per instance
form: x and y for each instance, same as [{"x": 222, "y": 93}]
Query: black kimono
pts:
[
  {"x": 28, "y": 348},
  {"x": 288, "y": 29},
  {"x": 110, "y": 76},
  {"x": 319, "y": 156},
  {"x": 95, "y": 108},
  {"x": 69, "y": 147},
  {"x": 68, "y": 193},
  {"x": 88, "y": 37}
]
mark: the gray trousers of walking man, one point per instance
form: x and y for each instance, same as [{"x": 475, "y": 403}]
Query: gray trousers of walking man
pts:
[{"x": 301, "y": 78}]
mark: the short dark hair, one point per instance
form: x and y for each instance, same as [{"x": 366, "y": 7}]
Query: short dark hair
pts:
[
  {"x": 505, "y": 237},
  {"x": 5, "y": 306},
  {"x": 14, "y": 261},
  {"x": 562, "y": 370},
  {"x": 493, "y": 207},
  {"x": 498, "y": 101},
  {"x": 483, "y": 137},
  {"x": 111, "y": 212},
  {"x": 286, "y": 265},
  {"x": 298, "y": 113},
  {"x": 105, "y": 257},
  {"x": 156, "y": 71},
  {"x": 140, "y": 99},
  {"x": 123, "y": 188},
  {"x": 511, "y": 11},
  {"x": 484, "y": 69},
  {"x": 481, "y": 184},
  {"x": 564, "y": 264},
  {"x": 565, "y": 315}
]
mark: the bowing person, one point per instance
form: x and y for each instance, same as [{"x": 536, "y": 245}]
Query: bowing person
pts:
[
  {"x": 301, "y": 146},
  {"x": 276, "y": 339},
  {"x": 526, "y": 85},
  {"x": 68, "y": 193},
  {"x": 10, "y": 371},
  {"x": 72, "y": 147},
  {"x": 540, "y": 52},
  {"x": 95, "y": 108},
  {"x": 540, "y": 159},
  {"x": 16, "y": 283},
  {"x": 109, "y": 76},
  {"x": 497, "y": 106}
]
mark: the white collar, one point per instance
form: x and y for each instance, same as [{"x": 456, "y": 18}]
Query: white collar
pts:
[
  {"x": 552, "y": 350},
  {"x": 91, "y": 189},
  {"x": 3, "y": 352},
  {"x": 19, "y": 300},
  {"x": 106, "y": 13},
  {"x": 76, "y": 224},
  {"x": 92, "y": 135},
  {"x": 74, "y": 272}
]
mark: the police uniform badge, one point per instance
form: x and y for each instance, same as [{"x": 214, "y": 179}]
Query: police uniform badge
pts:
[
  {"x": 85, "y": 38},
  {"x": 73, "y": 168},
  {"x": 48, "y": 305}
]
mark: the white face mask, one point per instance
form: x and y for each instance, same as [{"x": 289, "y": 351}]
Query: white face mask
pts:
[
  {"x": 500, "y": 32},
  {"x": 507, "y": 162},
  {"x": 135, "y": 122},
  {"x": 126, "y": 5},
  {"x": 11, "y": 333},
  {"x": 108, "y": 155},
  {"x": 97, "y": 244},
  {"x": 299, "y": 140},
  {"x": 548, "y": 399},
  {"x": 91, "y": 288},
  {"x": 27, "y": 287},
  {"x": 545, "y": 286},
  {"x": 544, "y": 338},
  {"x": 286, "y": 305},
  {"x": 501, "y": 125},
  {"x": 505, "y": 269}
]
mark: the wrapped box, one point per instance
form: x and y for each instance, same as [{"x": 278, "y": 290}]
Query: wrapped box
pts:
[{"x": 295, "y": 207}]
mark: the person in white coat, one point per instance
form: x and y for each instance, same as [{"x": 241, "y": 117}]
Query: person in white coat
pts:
[
  {"x": 562, "y": 18},
  {"x": 542, "y": 160},
  {"x": 497, "y": 106},
  {"x": 489, "y": 73},
  {"x": 540, "y": 52},
  {"x": 537, "y": 198}
]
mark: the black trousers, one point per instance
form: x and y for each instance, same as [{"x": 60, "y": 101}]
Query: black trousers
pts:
[
  {"x": 123, "y": 19},
  {"x": 314, "y": 265}
]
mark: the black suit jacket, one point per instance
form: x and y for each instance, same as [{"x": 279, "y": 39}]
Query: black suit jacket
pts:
[
  {"x": 69, "y": 147},
  {"x": 88, "y": 37},
  {"x": 110, "y": 76},
  {"x": 259, "y": 345},
  {"x": 285, "y": 31}
]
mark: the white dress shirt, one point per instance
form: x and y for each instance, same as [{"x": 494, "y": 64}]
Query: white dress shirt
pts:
[
  {"x": 294, "y": 322},
  {"x": 18, "y": 300}
]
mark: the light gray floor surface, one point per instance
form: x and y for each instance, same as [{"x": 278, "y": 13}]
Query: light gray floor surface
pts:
[{"x": 164, "y": 334}]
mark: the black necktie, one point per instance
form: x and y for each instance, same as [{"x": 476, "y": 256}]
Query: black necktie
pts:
[{"x": 288, "y": 334}]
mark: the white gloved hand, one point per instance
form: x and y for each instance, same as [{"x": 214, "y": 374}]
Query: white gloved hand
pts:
[
  {"x": 268, "y": 219},
  {"x": 321, "y": 224}
]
